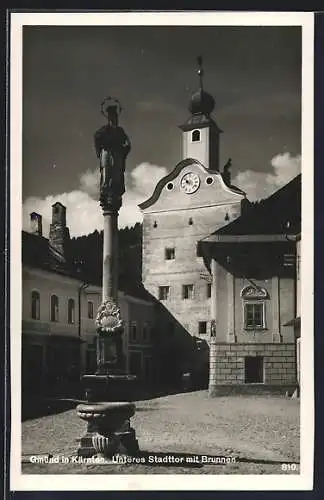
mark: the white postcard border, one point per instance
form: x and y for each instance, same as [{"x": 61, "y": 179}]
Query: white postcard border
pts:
[{"x": 303, "y": 481}]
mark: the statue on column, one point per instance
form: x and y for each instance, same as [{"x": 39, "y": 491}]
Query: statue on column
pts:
[{"x": 112, "y": 147}]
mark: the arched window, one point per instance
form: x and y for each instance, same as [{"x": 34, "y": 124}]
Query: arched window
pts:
[
  {"x": 90, "y": 310},
  {"x": 54, "y": 308},
  {"x": 254, "y": 307},
  {"x": 195, "y": 136},
  {"x": 35, "y": 305},
  {"x": 71, "y": 311}
]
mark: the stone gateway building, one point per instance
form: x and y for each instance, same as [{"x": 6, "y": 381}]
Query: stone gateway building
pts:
[{"x": 222, "y": 268}]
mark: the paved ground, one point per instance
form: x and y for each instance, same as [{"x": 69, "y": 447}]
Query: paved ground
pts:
[{"x": 259, "y": 434}]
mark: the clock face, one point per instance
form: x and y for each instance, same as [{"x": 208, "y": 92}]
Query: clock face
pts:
[{"x": 190, "y": 182}]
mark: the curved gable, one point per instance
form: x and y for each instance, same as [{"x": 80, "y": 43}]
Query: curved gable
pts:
[
  {"x": 172, "y": 175},
  {"x": 175, "y": 172}
]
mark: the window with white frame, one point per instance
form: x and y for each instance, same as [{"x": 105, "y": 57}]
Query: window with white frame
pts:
[
  {"x": 164, "y": 292},
  {"x": 254, "y": 315},
  {"x": 169, "y": 253},
  {"x": 54, "y": 308},
  {"x": 71, "y": 311},
  {"x": 195, "y": 136},
  {"x": 202, "y": 327},
  {"x": 254, "y": 307},
  {"x": 35, "y": 304},
  {"x": 90, "y": 309},
  {"x": 187, "y": 291}
]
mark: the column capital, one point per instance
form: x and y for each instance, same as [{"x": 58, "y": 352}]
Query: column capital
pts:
[{"x": 110, "y": 204}]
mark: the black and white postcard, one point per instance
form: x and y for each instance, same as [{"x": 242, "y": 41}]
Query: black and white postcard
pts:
[{"x": 161, "y": 195}]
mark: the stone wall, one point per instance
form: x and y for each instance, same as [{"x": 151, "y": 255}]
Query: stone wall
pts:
[
  {"x": 181, "y": 230},
  {"x": 227, "y": 373}
]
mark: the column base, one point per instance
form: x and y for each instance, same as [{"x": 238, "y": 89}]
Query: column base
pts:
[
  {"x": 125, "y": 444},
  {"x": 109, "y": 431}
]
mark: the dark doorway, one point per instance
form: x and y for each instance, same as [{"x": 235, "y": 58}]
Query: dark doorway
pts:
[
  {"x": 32, "y": 367},
  {"x": 253, "y": 369},
  {"x": 135, "y": 363}
]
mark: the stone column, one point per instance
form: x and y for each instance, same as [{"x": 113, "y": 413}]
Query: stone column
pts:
[
  {"x": 110, "y": 255},
  {"x": 106, "y": 412}
]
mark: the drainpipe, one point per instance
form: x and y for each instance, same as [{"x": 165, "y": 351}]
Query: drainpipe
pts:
[{"x": 83, "y": 286}]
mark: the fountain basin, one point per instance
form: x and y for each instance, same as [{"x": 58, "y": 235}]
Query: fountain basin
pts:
[{"x": 109, "y": 429}]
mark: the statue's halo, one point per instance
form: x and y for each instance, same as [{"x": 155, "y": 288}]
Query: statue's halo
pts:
[{"x": 112, "y": 101}]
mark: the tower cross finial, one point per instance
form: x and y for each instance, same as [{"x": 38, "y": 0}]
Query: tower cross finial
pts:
[{"x": 200, "y": 71}]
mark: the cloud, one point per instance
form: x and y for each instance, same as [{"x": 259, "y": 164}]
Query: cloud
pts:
[
  {"x": 258, "y": 185},
  {"x": 83, "y": 212},
  {"x": 140, "y": 185}
]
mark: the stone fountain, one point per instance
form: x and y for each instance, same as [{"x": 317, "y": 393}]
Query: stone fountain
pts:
[{"x": 109, "y": 391}]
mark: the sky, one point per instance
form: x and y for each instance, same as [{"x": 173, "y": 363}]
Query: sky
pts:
[{"x": 253, "y": 73}]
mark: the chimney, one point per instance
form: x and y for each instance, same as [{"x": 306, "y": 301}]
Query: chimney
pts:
[
  {"x": 36, "y": 224},
  {"x": 59, "y": 235}
]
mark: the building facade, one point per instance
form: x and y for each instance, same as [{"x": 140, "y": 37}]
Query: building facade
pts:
[
  {"x": 195, "y": 197},
  {"x": 218, "y": 264},
  {"x": 58, "y": 316},
  {"x": 253, "y": 267}
]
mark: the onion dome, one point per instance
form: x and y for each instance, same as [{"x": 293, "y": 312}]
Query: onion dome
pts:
[{"x": 201, "y": 102}]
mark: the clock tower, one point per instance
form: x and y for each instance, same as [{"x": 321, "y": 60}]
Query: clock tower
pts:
[
  {"x": 200, "y": 139},
  {"x": 189, "y": 203}
]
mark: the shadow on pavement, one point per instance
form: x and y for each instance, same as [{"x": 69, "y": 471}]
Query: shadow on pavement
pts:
[{"x": 37, "y": 406}]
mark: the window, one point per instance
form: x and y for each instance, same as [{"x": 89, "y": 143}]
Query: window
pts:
[
  {"x": 90, "y": 309},
  {"x": 187, "y": 291},
  {"x": 254, "y": 315},
  {"x": 254, "y": 306},
  {"x": 195, "y": 136},
  {"x": 202, "y": 327},
  {"x": 169, "y": 253},
  {"x": 164, "y": 292},
  {"x": 253, "y": 369},
  {"x": 208, "y": 291},
  {"x": 71, "y": 311},
  {"x": 35, "y": 305},
  {"x": 54, "y": 308},
  {"x": 133, "y": 331}
]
